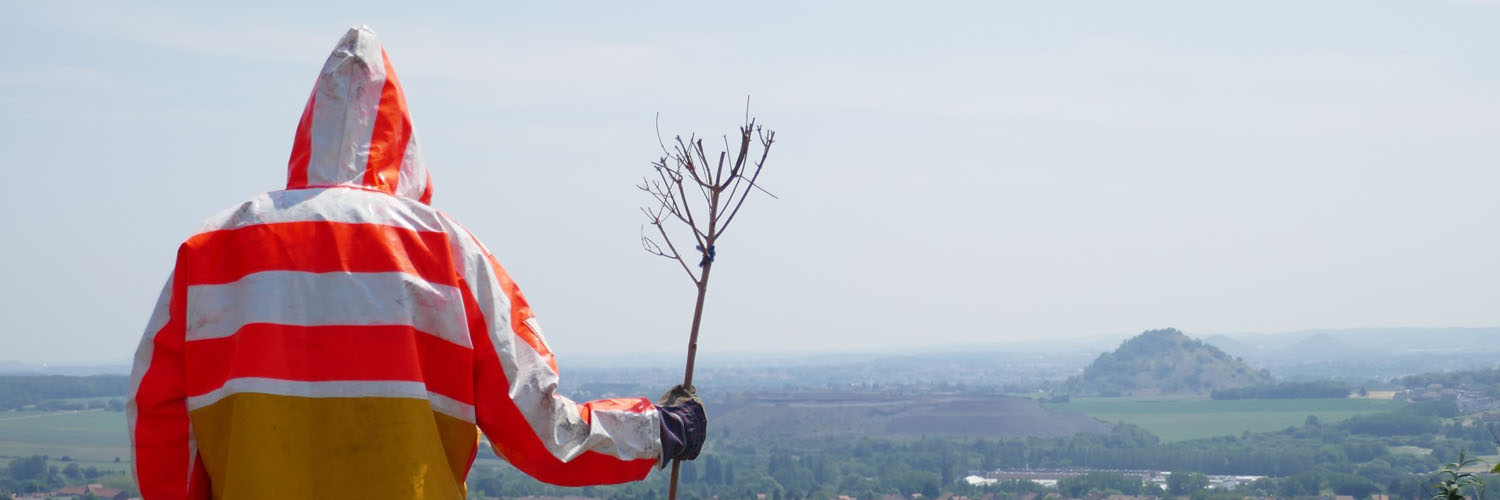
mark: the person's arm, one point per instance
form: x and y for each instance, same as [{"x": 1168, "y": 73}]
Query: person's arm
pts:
[
  {"x": 542, "y": 433},
  {"x": 164, "y": 459}
]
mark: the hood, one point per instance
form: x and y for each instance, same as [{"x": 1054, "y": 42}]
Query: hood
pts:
[{"x": 355, "y": 130}]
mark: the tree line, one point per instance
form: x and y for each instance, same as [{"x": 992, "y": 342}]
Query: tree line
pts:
[
  {"x": 1487, "y": 381},
  {"x": 19, "y": 391},
  {"x": 34, "y": 474}
]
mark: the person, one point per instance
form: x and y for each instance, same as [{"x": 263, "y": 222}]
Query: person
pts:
[{"x": 341, "y": 338}]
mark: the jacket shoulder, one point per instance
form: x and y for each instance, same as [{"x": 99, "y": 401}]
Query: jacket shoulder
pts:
[{"x": 335, "y": 204}]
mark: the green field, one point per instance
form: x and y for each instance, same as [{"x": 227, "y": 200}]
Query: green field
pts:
[
  {"x": 1191, "y": 418},
  {"x": 93, "y": 437}
]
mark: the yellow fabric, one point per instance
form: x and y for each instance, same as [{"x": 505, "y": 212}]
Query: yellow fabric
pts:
[{"x": 263, "y": 446}]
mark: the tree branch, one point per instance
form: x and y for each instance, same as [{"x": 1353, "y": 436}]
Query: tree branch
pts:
[{"x": 766, "y": 139}]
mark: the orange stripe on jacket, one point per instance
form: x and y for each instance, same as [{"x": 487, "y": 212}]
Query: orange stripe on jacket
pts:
[
  {"x": 332, "y": 353},
  {"x": 389, "y": 138},
  {"x": 296, "y": 167},
  {"x": 317, "y": 247},
  {"x": 635, "y": 405}
]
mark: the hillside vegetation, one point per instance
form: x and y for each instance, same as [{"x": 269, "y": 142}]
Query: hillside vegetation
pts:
[
  {"x": 1164, "y": 362},
  {"x": 1484, "y": 381}
]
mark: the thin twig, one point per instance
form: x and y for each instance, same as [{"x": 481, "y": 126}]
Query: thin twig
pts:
[{"x": 766, "y": 141}]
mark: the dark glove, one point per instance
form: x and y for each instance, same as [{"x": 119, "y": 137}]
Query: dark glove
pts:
[{"x": 683, "y": 424}]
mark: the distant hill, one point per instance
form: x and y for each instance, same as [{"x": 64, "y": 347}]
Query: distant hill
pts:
[{"x": 1161, "y": 362}]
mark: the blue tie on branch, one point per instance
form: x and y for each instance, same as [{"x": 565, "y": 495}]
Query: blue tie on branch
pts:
[
  {"x": 697, "y": 198},
  {"x": 707, "y": 256}
]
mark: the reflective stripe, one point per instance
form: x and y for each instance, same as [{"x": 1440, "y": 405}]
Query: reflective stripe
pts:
[
  {"x": 451, "y": 407},
  {"x": 334, "y": 389},
  {"x": 320, "y": 299},
  {"x": 355, "y": 206},
  {"x": 320, "y": 389},
  {"x": 416, "y": 182}
]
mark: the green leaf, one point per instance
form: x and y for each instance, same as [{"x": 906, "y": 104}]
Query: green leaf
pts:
[{"x": 1496, "y": 470}]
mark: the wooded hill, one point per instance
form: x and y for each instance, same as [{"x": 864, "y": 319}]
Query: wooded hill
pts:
[{"x": 1163, "y": 362}]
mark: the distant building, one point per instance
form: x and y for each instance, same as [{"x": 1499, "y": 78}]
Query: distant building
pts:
[{"x": 1230, "y": 482}]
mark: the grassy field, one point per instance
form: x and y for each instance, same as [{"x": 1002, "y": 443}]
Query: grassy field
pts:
[
  {"x": 809, "y": 415},
  {"x": 93, "y": 437},
  {"x": 1191, "y": 418}
]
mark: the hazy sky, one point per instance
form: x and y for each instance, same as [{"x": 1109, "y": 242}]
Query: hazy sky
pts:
[{"x": 949, "y": 173}]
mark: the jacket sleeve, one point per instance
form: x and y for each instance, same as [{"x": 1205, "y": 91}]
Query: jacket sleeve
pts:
[
  {"x": 163, "y": 456},
  {"x": 542, "y": 433}
]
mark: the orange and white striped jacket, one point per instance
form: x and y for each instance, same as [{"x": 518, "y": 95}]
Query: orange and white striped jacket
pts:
[{"x": 343, "y": 339}]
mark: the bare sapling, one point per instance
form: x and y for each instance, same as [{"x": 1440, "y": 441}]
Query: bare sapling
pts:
[{"x": 696, "y": 198}]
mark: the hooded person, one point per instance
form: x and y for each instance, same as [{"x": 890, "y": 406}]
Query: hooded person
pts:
[{"x": 341, "y": 338}]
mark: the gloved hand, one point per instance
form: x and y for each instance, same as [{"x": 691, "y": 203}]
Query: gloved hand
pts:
[{"x": 684, "y": 425}]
